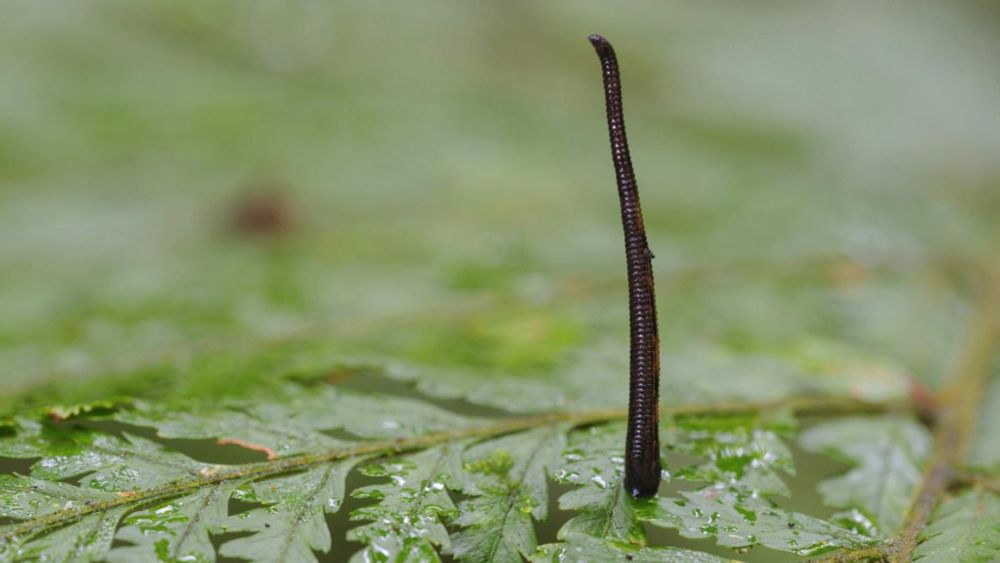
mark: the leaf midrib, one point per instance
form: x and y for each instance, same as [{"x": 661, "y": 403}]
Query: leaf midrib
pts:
[
  {"x": 290, "y": 536},
  {"x": 186, "y": 532},
  {"x": 517, "y": 484}
]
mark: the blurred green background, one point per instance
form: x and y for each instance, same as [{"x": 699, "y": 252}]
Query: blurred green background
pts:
[{"x": 440, "y": 178}]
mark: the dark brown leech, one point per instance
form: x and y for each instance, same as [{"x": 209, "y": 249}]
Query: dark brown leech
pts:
[{"x": 642, "y": 445}]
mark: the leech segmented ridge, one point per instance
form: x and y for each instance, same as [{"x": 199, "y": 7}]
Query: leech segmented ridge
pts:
[{"x": 642, "y": 448}]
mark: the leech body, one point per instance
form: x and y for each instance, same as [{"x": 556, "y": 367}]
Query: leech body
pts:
[{"x": 642, "y": 445}]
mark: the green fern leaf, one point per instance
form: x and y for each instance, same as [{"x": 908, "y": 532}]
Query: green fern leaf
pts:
[
  {"x": 888, "y": 455},
  {"x": 176, "y": 530},
  {"x": 964, "y": 528},
  {"x": 582, "y": 547},
  {"x": 153, "y": 499},
  {"x": 507, "y": 480},
  {"x": 745, "y": 459},
  {"x": 408, "y": 518},
  {"x": 594, "y": 463},
  {"x": 292, "y": 523}
]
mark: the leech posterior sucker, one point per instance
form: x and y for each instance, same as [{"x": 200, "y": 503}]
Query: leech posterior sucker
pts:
[{"x": 642, "y": 444}]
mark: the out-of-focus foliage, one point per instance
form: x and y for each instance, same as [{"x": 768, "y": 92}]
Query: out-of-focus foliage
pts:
[
  {"x": 449, "y": 195},
  {"x": 285, "y": 279}
]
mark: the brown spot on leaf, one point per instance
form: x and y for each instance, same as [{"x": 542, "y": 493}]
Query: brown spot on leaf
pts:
[
  {"x": 248, "y": 445},
  {"x": 263, "y": 208}
]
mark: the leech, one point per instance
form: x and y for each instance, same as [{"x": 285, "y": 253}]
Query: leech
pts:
[{"x": 642, "y": 444}]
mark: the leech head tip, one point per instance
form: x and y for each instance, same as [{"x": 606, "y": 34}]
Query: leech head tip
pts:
[{"x": 600, "y": 44}]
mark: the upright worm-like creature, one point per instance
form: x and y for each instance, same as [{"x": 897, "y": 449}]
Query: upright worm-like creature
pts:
[{"x": 642, "y": 445}]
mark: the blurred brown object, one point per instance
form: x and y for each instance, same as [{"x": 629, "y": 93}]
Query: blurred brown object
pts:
[{"x": 263, "y": 208}]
